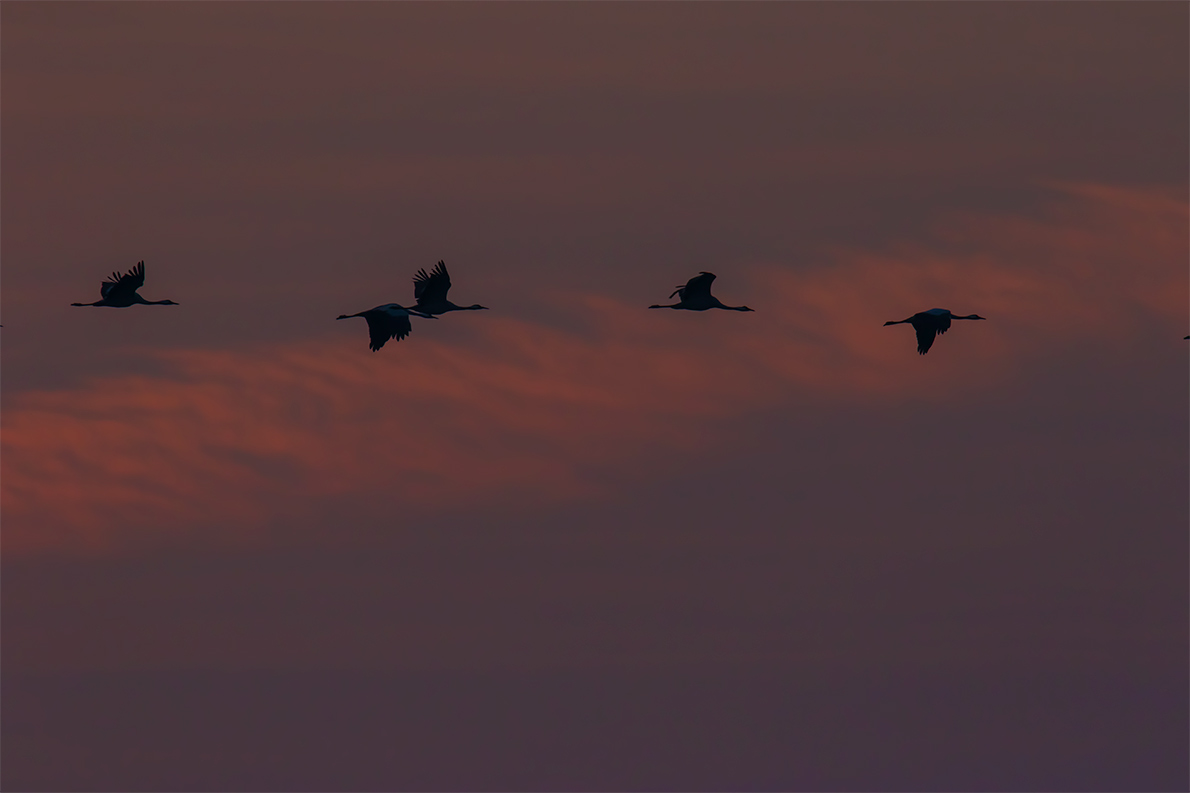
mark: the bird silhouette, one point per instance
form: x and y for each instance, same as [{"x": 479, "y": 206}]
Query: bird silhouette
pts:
[
  {"x": 936, "y": 321},
  {"x": 429, "y": 290},
  {"x": 390, "y": 321},
  {"x": 119, "y": 291},
  {"x": 696, "y": 295}
]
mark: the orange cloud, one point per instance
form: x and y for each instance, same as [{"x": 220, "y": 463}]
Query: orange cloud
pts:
[{"x": 227, "y": 442}]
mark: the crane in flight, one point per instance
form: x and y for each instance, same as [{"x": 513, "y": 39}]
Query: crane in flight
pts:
[
  {"x": 390, "y": 321},
  {"x": 429, "y": 290},
  {"x": 929, "y": 324},
  {"x": 119, "y": 291},
  {"x": 696, "y": 295}
]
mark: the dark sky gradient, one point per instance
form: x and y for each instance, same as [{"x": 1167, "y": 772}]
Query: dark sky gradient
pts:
[{"x": 569, "y": 543}]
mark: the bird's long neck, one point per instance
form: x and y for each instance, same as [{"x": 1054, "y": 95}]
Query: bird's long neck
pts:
[
  {"x": 136, "y": 298},
  {"x": 715, "y": 303}
]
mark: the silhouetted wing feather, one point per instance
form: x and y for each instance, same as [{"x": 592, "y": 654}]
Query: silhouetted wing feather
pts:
[
  {"x": 127, "y": 283},
  {"x": 431, "y": 287}
]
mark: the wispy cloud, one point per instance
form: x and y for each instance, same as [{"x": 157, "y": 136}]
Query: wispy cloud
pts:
[{"x": 238, "y": 439}]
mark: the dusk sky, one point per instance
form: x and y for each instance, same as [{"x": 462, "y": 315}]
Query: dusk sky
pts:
[{"x": 570, "y": 543}]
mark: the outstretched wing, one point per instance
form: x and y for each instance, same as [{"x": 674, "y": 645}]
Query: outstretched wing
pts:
[
  {"x": 925, "y": 337},
  {"x": 385, "y": 324},
  {"x": 125, "y": 284},
  {"x": 698, "y": 286},
  {"x": 928, "y": 324},
  {"x": 431, "y": 287}
]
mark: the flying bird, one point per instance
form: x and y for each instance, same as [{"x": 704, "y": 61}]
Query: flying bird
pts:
[
  {"x": 119, "y": 291},
  {"x": 429, "y": 290},
  {"x": 390, "y": 321},
  {"x": 936, "y": 321},
  {"x": 696, "y": 295}
]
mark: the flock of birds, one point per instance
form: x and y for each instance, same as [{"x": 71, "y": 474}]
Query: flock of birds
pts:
[{"x": 391, "y": 320}]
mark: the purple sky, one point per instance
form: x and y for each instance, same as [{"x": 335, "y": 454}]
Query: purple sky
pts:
[{"x": 569, "y": 543}]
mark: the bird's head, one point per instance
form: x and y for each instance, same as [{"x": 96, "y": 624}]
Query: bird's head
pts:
[
  {"x": 169, "y": 303},
  {"x": 976, "y": 316},
  {"x": 892, "y": 322},
  {"x": 745, "y": 308},
  {"x": 342, "y": 316},
  {"x": 476, "y": 307}
]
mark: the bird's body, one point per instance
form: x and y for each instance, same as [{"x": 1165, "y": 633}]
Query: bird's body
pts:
[
  {"x": 390, "y": 321},
  {"x": 119, "y": 291},
  {"x": 696, "y": 295},
  {"x": 929, "y": 324},
  {"x": 429, "y": 290}
]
